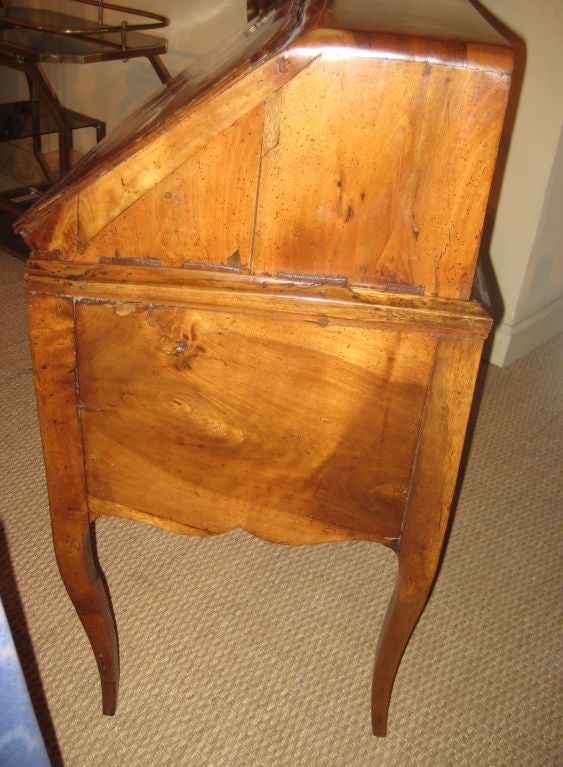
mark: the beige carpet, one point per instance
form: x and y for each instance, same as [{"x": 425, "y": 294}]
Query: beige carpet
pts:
[{"x": 239, "y": 653}]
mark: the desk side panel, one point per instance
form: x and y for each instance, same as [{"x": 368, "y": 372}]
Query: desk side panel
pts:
[
  {"x": 203, "y": 421},
  {"x": 367, "y": 168},
  {"x": 381, "y": 172},
  {"x": 203, "y": 212}
]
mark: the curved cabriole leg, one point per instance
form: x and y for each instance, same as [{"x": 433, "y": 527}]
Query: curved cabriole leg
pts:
[
  {"x": 51, "y": 327},
  {"x": 405, "y": 607},
  {"x": 86, "y": 588},
  {"x": 435, "y": 471}
]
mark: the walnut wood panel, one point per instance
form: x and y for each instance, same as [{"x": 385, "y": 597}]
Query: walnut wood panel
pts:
[
  {"x": 409, "y": 212},
  {"x": 395, "y": 195},
  {"x": 115, "y": 188},
  {"x": 455, "y": 104},
  {"x": 446, "y": 24},
  {"x": 203, "y": 212},
  {"x": 296, "y": 433}
]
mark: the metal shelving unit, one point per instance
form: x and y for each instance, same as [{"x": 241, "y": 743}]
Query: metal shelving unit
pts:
[{"x": 33, "y": 36}]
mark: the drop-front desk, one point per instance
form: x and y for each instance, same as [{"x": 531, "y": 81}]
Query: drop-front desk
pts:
[{"x": 250, "y": 307}]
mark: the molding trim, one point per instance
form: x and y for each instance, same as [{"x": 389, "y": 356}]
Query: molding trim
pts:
[{"x": 510, "y": 342}]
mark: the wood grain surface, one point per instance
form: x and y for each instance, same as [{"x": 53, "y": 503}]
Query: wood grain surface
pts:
[
  {"x": 266, "y": 172},
  {"x": 395, "y": 195},
  {"x": 295, "y": 432},
  {"x": 203, "y": 212},
  {"x": 314, "y": 300},
  {"x": 53, "y": 348}
]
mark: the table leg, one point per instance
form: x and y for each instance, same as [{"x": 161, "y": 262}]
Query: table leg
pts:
[
  {"x": 37, "y": 142},
  {"x": 406, "y": 605},
  {"x": 51, "y": 327},
  {"x": 46, "y": 93},
  {"x": 160, "y": 69},
  {"x": 435, "y": 472},
  {"x": 85, "y": 584}
]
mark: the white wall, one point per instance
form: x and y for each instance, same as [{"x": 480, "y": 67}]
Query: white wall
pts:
[
  {"x": 112, "y": 90},
  {"x": 527, "y": 244}
]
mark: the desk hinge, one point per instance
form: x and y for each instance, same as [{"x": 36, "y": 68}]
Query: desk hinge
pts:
[{"x": 317, "y": 279}]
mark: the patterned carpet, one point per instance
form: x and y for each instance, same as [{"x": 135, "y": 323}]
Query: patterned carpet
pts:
[{"x": 239, "y": 653}]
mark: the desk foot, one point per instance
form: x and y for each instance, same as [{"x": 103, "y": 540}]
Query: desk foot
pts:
[
  {"x": 86, "y": 587},
  {"x": 109, "y": 698},
  {"x": 405, "y": 607}
]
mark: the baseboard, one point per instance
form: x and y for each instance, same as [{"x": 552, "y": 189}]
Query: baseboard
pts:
[{"x": 510, "y": 342}]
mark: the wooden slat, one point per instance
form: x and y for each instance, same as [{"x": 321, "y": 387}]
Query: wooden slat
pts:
[{"x": 320, "y": 304}]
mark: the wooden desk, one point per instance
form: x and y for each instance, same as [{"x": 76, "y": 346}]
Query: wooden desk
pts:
[{"x": 249, "y": 307}]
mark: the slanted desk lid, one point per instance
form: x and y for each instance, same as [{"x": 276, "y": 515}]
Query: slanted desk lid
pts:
[
  {"x": 261, "y": 39},
  {"x": 244, "y": 47},
  {"x": 306, "y": 148}
]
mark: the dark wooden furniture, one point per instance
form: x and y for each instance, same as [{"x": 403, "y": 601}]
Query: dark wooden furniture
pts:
[{"x": 250, "y": 306}]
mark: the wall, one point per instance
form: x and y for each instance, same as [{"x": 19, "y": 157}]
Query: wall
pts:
[
  {"x": 526, "y": 249},
  {"x": 112, "y": 90}
]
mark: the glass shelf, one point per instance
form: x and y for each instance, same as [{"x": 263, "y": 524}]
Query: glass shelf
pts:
[{"x": 78, "y": 48}]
